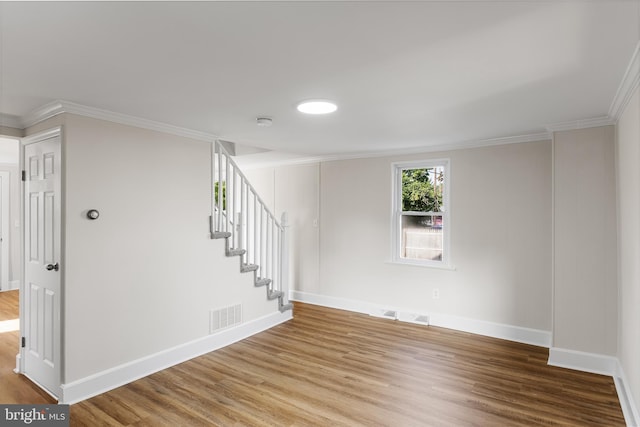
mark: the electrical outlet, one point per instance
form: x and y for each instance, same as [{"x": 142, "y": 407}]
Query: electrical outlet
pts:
[{"x": 436, "y": 293}]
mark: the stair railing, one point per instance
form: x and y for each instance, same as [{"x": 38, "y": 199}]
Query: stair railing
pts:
[{"x": 237, "y": 208}]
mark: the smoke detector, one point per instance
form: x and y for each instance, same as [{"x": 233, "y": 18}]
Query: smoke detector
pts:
[{"x": 264, "y": 122}]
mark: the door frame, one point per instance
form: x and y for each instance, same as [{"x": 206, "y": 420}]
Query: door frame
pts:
[
  {"x": 24, "y": 309},
  {"x": 5, "y": 234}
]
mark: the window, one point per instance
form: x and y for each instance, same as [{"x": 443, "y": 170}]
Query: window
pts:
[{"x": 421, "y": 213}]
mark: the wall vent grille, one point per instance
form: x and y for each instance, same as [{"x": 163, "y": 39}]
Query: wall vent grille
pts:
[
  {"x": 420, "y": 319},
  {"x": 225, "y": 317},
  {"x": 402, "y": 316},
  {"x": 385, "y": 313}
]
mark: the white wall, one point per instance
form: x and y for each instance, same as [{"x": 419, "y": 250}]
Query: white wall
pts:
[
  {"x": 628, "y": 188},
  {"x": 500, "y": 237},
  {"x": 501, "y": 215},
  {"x": 585, "y": 262},
  {"x": 142, "y": 278},
  {"x": 295, "y": 190}
]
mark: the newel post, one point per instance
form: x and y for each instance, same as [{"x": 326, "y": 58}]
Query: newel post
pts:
[{"x": 284, "y": 257}]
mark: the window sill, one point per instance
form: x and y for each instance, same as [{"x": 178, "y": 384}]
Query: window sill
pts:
[{"x": 437, "y": 266}]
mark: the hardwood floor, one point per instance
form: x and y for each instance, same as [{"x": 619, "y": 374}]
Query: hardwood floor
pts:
[
  {"x": 335, "y": 368},
  {"x": 14, "y": 388}
]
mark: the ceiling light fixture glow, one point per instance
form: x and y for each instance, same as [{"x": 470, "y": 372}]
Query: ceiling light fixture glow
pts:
[{"x": 317, "y": 106}]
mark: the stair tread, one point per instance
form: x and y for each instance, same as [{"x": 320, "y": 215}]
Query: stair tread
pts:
[
  {"x": 245, "y": 268},
  {"x": 285, "y": 307},
  {"x": 263, "y": 282},
  {"x": 220, "y": 235},
  {"x": 236, "y": 252},
  {"x": 274, "y": 294}
]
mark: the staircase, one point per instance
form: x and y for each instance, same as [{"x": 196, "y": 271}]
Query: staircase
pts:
[{"x": 250, "y": 230}]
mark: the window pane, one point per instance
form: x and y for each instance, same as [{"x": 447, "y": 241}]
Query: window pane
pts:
[
  {"x": 422, "y": 189},
  {"x": 422, "y": 237}
]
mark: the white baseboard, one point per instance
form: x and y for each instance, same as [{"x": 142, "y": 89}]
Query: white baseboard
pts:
[
  {"x": 581, "y": 361},
  {"x": 120, "y": 375},
  {"x": 12, "y": 285},
  {"x": 503, "y": 331},
  {"x": 604, "y": 365},
  {"x": 333, "y": 302},
  {"x": 497, "y": 330},
  {"x": 629, "y": 408}
]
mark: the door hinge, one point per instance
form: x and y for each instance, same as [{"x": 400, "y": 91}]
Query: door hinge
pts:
[
  {"x": 24, "y": 175},
  {"x": 24, "y": 342}
]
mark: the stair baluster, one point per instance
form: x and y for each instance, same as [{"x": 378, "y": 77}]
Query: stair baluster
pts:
[{"x": 251, "y": 231}]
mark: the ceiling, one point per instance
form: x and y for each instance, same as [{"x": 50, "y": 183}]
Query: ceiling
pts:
[{"x": 405, "y": 75}]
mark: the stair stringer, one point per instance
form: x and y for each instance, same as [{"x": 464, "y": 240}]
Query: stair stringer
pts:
[{"x": 272, "y": 294}]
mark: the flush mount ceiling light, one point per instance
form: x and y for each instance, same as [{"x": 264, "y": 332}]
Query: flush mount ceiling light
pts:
[{"x": 317, "y": 106}]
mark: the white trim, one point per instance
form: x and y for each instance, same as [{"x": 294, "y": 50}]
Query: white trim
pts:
[
  {"x": 629, "y": 408},
  {"x": 480, "y": 327},
  {"x": 418, "y": 263},
  {"x": 581, "y": 361},
  {"x": 13, "y": 285},
  {"x": 303, "y": 160},
  {"x": 503, "y": 331},
  {"x": 6, "y": 230},
  {"x": 41, "y": 114},
  {"x": 553, "y": 237},
  {"x": 582, "y": 124},
  {"x": 109, "y": 379},
  {"x": 603, "y": 365},
  {"x": 334, "y": 302},
  {"x": 627, "y": 86},
  {"x": 397, "y": 212},
  {"x": 41, "y": 136},
  {"x": 18, "y": 368},
  {"x": 58, "y": 107}
]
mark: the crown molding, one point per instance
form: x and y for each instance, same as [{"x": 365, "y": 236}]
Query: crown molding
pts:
[
  {"x": 41, "y": 114},
  {"x": 58, "y": 107},
  {"x": 627, "y": 87},
  {"x": 302, "y": 160},
  {"x": 582, "y": 124}
]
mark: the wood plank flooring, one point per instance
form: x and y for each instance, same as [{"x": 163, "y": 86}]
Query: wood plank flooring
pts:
[
  {"x": 14, "y": 388},
  {"x": 335, "y": 368}
]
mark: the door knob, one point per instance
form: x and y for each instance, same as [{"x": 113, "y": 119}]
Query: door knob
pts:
[{"x": 55, "y": 267}]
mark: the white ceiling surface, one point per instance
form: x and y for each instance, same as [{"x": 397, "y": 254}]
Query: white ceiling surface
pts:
[{"x": 405, "y": 75}]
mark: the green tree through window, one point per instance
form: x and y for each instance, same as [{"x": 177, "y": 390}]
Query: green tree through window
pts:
[{"x": 422, "y": 190}]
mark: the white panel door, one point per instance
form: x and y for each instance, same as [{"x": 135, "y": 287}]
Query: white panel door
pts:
[{"x": 41, "y": 292}]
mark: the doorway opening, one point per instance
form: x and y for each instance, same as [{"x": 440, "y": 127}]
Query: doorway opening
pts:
[{"x": 10, "y": 256}]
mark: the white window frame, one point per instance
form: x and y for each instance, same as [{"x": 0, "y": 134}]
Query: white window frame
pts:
[{"x": 396, "y": 212}]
